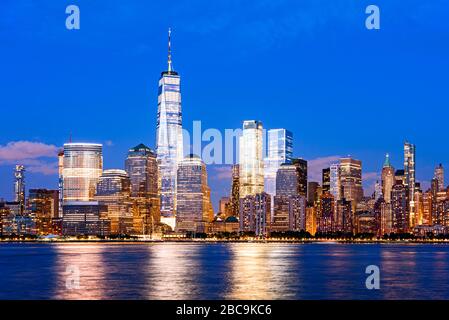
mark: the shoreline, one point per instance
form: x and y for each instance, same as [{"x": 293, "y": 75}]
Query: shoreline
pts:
[{"x": 212, "y": 241}]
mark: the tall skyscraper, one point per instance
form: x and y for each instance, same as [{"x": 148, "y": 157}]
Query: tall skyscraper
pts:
[
  {"x": 142, "y": 168},
  {"x": 19, "y": 187},
  {"x": 351, "y": 180},
  {"x": 409, "y": 173},
  {"x": 82, "y": 168},
  {"x": 250, "y": 159},
  {"x": 400, "y": 208},
  {"x": 388, "y": 179},
  {"x": 194, "y": 209},
  {"x": 279, "y": 151},
  {"x": 169, "y": 138},
  {"x": 439, "y": 176}
]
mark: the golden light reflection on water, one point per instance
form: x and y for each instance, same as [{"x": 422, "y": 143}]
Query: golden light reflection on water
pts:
[
  {"x": 88, "y": 259},
  {"x": 171, "y": 271},
  {"x": 260, "y": 271}
]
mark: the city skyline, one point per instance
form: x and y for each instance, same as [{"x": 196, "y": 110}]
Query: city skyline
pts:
[{"x": 190, "y": 60}]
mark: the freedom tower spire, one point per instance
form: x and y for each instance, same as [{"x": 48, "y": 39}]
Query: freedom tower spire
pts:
[{"x": 169, "y": 138}]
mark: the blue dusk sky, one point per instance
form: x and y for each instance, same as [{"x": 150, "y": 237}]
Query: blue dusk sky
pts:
[{"x": 305, "y": 65}]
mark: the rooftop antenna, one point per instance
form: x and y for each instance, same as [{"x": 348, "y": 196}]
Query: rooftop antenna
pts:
[{"x": 169, "y": 51}]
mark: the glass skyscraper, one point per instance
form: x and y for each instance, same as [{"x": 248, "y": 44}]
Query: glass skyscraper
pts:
[
  {"x": 82, "y": 167},
  {"x": 169, "y": 139},
  {"x": 279, "y": 151},
  {"x": 250, "y": 159}
]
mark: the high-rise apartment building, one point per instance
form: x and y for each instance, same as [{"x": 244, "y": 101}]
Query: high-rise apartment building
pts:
[{"x": 409, "y": 174}]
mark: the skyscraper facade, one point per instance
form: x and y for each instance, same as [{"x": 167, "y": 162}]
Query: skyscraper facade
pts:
[
  {"x": 279, "y": 151},
  {"x": 409, "y": 174},
  {"x": 250, "y": 159},
  {"x": 301, "y": 169},
  {"x": 19, "y": 186},
  {"x": 326, "y": 180},
  {"x": 351, "y": 180},
  {"x": 388, "y": 179},
  {"x": 83, "y": 166},
  {"x": 194, "y": 210},
  {"x": 169, "y": 139},
  {"x": 334, "y": 181},
  {"x": 113, "y": 192},
  {"x": 439, "y": 176},
  {"x": 142, "y": 168}
]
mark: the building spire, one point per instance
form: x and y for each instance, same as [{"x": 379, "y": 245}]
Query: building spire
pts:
[
  {"x": 387, "y": 161},
  {"x": 169, "y": 51}
]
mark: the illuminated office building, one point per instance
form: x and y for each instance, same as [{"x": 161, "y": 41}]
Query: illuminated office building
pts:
[
  {"x": 378, "y": 190},
  {"x": 169, "y": 139},
  {"x": 325, "y": 215},
  {"x": 113, "y": 192},
  {"x": 301, "y": 169},
  {"x": 427, "y": 200},
  {"x": 439, "y": 176},
  {"x": 194, "y": 209},
  {"x": 400, "y": 208},
  {"x": 343, "y": 218},
  {"x": 326, "y": 180},
  {"x": 351, "y": 180},
  {"x": 19, "y": 187},
  {"x": 142, "y": 168},
  {"x": 334, "y": 181},
  {"x": 313, "y": 192},
  {"x": 279, "y": 151},
  {"x": 85, "y": 218},
  {"x": 311, "y": 219},
  {"x": 388, "y": 179},
  {"x": 386, "y": 218},
  {"x": 399, "y": 177},
  {"x": 82, "y": 167},
  {"x": 250, "y": 159},
  {"x": 287, "y": 180},
  {"x": 43, "y": 205}
]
